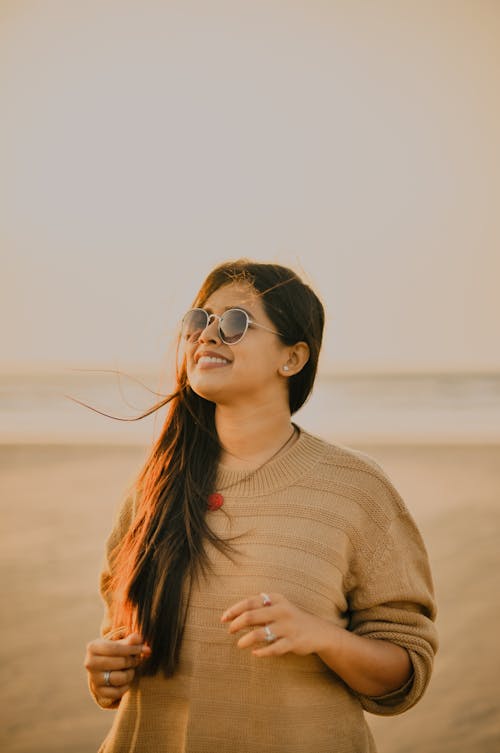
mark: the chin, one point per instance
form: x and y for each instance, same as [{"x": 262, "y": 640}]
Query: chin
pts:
[{"x": 204, "y": 390}]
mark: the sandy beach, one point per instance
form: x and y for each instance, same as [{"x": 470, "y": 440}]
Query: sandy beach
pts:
[{"x": 58, "y": 503}]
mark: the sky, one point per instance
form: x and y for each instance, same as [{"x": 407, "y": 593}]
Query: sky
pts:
[{"x": 141, "y": 143}]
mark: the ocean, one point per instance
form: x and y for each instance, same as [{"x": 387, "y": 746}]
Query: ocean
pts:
[{"x": 347, "y": 409}]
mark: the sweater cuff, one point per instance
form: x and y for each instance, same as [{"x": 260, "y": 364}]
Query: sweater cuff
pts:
[
  {"x": 395, "y": 696},
  {"x": 407, "y": 695}
]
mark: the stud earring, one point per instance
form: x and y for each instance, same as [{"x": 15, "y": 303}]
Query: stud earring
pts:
[{"x": 286, "y": 368}]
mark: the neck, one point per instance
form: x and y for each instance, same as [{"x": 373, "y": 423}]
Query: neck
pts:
[{"x": 250, "y": 435}]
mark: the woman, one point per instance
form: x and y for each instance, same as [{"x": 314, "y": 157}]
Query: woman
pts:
[{"x": 262, "y": 586}]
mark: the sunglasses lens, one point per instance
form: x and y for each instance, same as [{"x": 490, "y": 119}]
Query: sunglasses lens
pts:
[
  {"x": 233, "y": 325},
  {"x": 193, "y": 324}
]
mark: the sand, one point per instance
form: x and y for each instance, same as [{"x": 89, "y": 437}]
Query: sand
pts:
[{"x": 57, "y": 506}]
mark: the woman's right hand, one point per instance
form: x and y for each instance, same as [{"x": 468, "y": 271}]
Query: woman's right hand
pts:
[{"x": 119, "y": 658}]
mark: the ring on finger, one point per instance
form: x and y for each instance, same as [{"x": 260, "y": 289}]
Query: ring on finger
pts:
[
  {"x": 107, "y": 678},
  {"x": 266, "y": 600},
  {"x": 270, "y": 636}
]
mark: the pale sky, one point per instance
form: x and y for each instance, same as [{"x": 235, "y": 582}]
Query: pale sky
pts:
[{"x": 143, "y": 142}]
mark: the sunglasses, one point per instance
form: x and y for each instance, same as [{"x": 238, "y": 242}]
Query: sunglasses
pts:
[{"x": 232, "y": 326}]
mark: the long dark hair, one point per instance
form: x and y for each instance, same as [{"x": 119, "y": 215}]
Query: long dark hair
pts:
[{"x": 164, "y": 549}]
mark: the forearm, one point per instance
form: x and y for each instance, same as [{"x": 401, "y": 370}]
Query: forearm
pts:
[{"x": 369, "y": 666}]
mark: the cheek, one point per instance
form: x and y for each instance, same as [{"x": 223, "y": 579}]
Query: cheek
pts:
[{"x": 262, "y": 368}]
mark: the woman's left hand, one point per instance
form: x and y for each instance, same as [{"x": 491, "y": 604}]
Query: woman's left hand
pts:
[{"x": 295, "y": 630}]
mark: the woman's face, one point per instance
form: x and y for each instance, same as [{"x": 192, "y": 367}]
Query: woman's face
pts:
[{"x": 251, "y": 370}]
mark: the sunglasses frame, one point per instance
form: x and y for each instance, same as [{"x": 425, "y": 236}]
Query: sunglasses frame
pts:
[{"x": 212, "y": 317}]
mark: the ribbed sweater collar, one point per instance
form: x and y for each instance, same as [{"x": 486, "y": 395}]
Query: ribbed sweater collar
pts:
[{"x": 277, "y": 474}]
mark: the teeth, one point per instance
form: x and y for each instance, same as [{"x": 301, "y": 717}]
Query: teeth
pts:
[{"x": 212, "y": 359}]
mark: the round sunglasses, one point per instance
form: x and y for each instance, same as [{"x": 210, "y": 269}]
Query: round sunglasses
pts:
[{"x": 232, "y": 326}]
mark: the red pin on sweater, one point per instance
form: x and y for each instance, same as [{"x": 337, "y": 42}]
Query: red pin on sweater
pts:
[{"x": 215, "y": 501}]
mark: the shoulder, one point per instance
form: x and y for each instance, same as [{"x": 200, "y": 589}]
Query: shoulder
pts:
[
  {"x": 123, "y": 517},
  {"x": 353, "y": 474}
]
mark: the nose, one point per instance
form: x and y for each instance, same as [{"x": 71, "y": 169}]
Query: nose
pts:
[{"x": 211, "y": 331}]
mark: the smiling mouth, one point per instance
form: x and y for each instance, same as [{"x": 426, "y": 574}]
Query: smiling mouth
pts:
[{"x": 212, "y": 359}]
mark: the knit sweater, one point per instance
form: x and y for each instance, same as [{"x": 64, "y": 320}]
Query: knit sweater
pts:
[{"x": 323, "y": 526}]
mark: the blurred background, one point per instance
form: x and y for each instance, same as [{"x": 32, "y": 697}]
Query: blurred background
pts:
[{"x": 143, "y": 143}]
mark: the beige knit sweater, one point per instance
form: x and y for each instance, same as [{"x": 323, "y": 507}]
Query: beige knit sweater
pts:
[{"x": 322, "y": 525}]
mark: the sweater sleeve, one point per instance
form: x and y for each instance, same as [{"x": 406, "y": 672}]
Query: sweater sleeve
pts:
[
  {"x": 118, "y": 532},
  {"x": 393, "y": 600},
  {"x": 120, "y": 528}
]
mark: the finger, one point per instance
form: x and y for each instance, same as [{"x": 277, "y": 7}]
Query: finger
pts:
[
  {"x": 247, "y": 604},
  {"x": 259, "y": 616},
  {"x": 278, "y": 648},
  {"x": 104, "y": 647},
  {"x": 111, "y": 693},
  {"x": 117, "y": 678},
  {"x": 102, "y": 663},
  {"x": 133, "y": 639},
  {"x": 236, "y": 609},
  {"x": 256, "y": 636}
]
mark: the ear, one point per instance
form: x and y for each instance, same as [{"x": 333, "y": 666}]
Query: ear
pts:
[{"x": 296, "y": 358}]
